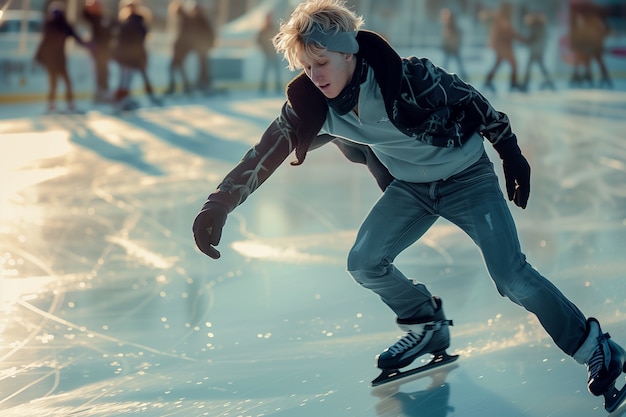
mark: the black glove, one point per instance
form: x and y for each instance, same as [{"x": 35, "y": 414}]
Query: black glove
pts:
[
  {"x": 207, "y": 228},
  {"x": 517, "y": 177},
  {"x": 516, "y": 171}
]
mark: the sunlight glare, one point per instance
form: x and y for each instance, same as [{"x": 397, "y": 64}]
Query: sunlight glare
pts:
[
  {"x": 19, "y": 164},
  {"x": 265, "y": 251}
]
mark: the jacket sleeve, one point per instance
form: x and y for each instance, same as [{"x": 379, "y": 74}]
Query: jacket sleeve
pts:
[
  {"x": 261, "y": 160},
  {"x": 69, "y": 30},
  {"x": 434, "y": 89}
]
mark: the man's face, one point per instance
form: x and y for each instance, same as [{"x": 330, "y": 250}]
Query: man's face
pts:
[{"x": 330, "y": 71}]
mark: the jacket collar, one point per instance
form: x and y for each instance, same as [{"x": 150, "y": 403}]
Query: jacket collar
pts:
[
  {"x": 383, "y": 59},
  {"x": 310, "y": 105}
]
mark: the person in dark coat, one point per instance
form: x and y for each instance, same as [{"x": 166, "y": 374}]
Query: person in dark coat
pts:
[
  {"x": 51, "y": 53},
  {"x": 130, "y": 51},
  {"x": 183, "y": 45},
  {"x": 204, "y": 33},
  {"x": 587, "y": 33},
  {"x": 102, "y": 33}
]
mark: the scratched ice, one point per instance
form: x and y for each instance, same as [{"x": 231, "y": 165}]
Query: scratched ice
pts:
[{"x": 108, "y": 309}]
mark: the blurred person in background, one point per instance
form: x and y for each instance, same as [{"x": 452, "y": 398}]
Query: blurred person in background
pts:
[
  {"x": 587, "y": 33},
  {"x": 536, "y": 43},
  {"x": 195, "y": 34},
  {"x": 183, "y": 45},
  {"x": 51, "y": 53},
  {"x": 102, "y": 29},
  {"x": 501, "y": 38},
  {"x": 205, "y": 36},
  {"x": 271, "y": 62},
  {"x": 451, "y": 41},
  {"x": 131, "y": 54}
]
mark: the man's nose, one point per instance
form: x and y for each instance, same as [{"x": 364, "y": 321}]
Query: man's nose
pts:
[{"x": 315, "y": 74}]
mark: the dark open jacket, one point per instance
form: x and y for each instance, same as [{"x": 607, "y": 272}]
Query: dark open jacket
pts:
[
  {"x": 422, "y": 101},
  {"x": 51, "y": 50},
  {"x": 130, "y": 48}
]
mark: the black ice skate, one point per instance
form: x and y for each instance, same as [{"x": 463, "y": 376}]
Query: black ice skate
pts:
[
  {"x": 604, "y": 367},
  {"x": 429, "y": 337},
  {"x": 126, "y": 104}
]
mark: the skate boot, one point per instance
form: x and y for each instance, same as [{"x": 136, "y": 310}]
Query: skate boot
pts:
[
  {"x": 606, "y": 82},
  {"x": 156, "y": 101},
  {"x": 604, "y": 358},
  {"x": 51, "y": 109},
  {"x": 127, "y": 104},
  {"x": 422, "y": 337}
]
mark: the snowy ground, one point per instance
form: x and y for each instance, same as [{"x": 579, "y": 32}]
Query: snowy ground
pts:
[{"x": 108, "y": 309}]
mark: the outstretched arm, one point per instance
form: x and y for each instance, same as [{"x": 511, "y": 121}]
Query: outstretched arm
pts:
[{"x": 256, "y": 166}]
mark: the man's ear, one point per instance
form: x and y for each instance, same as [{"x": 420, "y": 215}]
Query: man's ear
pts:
[{"x": 349, "y": 57}]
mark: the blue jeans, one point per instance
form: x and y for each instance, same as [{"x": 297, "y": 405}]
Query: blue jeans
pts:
[{"x": 474, "y": 202}]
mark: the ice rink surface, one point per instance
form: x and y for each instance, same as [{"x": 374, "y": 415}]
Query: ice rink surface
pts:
[{"x": 107, "y": 308}]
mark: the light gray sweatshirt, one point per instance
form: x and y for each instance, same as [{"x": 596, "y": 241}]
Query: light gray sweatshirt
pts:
[{"x": 406, "y": 158}]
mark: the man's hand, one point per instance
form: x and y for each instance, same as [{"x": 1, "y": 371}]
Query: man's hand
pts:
[
  {"x": 207, "y": 228},
  {"x": 517, "y": 177},
  {"x": 516, "y": 171}
]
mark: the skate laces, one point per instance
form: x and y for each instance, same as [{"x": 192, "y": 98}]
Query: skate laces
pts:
[
  {"x": 407, "y": 342},
  {"x": 414, "y": 337},
  {"x": 600, "y": 358}
]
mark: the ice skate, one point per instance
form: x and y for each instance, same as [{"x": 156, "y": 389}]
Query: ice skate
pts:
[
  {"x": 547, "y": 85},
  {"x": 422, "y": 338},
  {"x": 126, "y": 104},
  {"x": 606, "y": 82},
  {"x": 155, "y": 101},
  {"x": 72, "y": 109},
  {"x": 605, "y": 363},
  {"x": 51, "y": 108},
  {"x": 605, "y": 369}
]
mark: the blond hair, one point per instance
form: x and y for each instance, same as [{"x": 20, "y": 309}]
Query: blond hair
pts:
[
  {"x": 127, "y": 7},
  {"x": 329, "y": 15}
]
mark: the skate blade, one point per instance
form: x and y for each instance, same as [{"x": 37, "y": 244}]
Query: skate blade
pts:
[
  {"x": 614, "y": 398},
  {"x": 390, "y": 375}
]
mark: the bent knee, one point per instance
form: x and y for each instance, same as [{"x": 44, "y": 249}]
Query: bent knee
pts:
[
  {"x": 512, "y": 288},
  {"x": 358, "y": 260},
  {"x": 517, "y": 287},
  {"x": 364, "y": 269},
  {"x": 366, "y": 263}
]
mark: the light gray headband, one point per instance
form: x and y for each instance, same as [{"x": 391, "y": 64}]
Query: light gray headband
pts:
[{"x": 333, "y": 41}]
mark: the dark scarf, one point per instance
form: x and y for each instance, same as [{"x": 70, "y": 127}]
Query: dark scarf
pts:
[{"x": 349, "y": 96}]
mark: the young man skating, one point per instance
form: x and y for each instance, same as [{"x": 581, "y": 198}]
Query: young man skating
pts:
[{"x": 420, "y": 131}]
